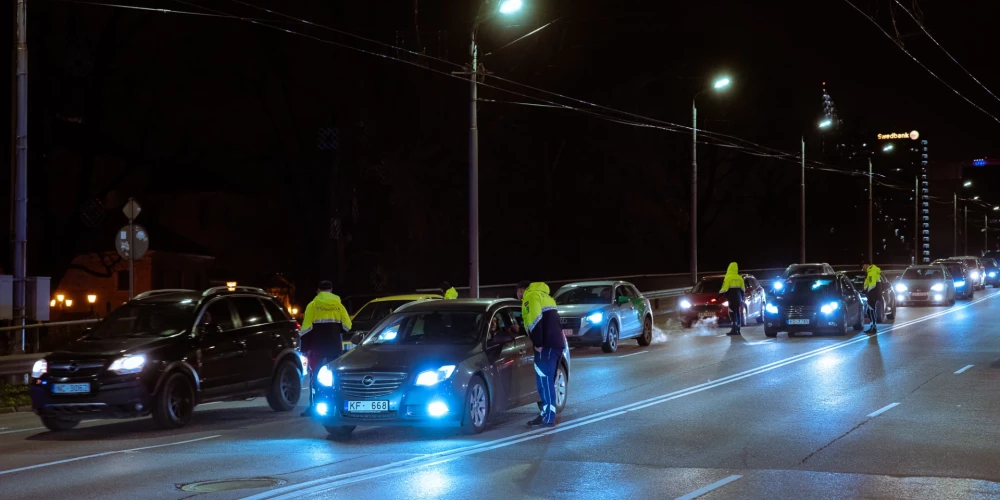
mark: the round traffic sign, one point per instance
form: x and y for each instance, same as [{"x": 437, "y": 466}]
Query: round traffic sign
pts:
[{"x": 140, "y": 238}]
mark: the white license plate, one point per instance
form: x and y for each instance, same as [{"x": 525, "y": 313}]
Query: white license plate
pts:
[
  {"x": 919, "y": 294},
  {"x": 706, "y": 315},
  {"x": 568, "y": 332},
  {"x": 366, "y": 406},
  {"x": 70, "y": 388},
  {"x": 798, "y": 322}
]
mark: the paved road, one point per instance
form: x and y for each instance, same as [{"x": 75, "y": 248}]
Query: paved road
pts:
[{"x": 911, "y": 412}]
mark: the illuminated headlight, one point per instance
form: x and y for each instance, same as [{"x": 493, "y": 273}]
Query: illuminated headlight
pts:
[
  {"x": 974, "y": 275},
  {"x": 993, "y": 274},
  {"x": 959, "y": 283},
  {"x": 778, "y": 285},
  {"x": 829, "y": 308},
  {"x": 325, "y": 376},
  {"x": 434, "y": 377},
  {"x": 322, "y": 409},
  {"x": 900, "y": 298},
  {"x": 437, "y": 409},
  {"x": 938, "y": 287},
  {"x": 128, "y": 364},
  {"x": 40, "y": 367},
  {"x": 771, "y": 309},
  {"x": 938, "y": 298},
  {"x": 685, "y": 304},
  {"x": 901, "y": 288},
  {"x": 595, "y": 318}
]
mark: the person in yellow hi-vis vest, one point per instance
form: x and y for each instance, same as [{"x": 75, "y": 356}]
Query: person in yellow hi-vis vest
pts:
[
  {"x": 323, "y": 328},
  {"x": 449, "y": 291}
]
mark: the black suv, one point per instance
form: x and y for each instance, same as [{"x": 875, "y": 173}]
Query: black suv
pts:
[{"x": 167, "y": 351}]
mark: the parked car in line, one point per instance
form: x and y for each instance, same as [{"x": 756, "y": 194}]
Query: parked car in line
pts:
[
  {"x": 602, "y": 313},
  {"x": 703, "y": 302},
  {"x": 977, "y": 271},
  {"x": 961, "y": 276},
  {"x": 887, "y": 310},
  {"x": 815, "y": 303},
  {"x": 797, "y": 269},
  {"x": 435, "y": 363},
  {"x": 992, "y": 272},
  {"x": 376, "y": 310},
  {"x": 926, "y": 285},
  {"x": 165, "y": 352}
]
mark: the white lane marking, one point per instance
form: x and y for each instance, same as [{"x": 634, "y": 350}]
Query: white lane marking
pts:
[
  {"x": 57, "y": 462},
  {"x": 963, "y": 369},
  {"x": 22, "y": 430},
  {"x": 714, "y": 486},
  {"x": 882, "y": 410},
  {"x": 333, "y": 482},
  {"x": 633, "y": 354}
]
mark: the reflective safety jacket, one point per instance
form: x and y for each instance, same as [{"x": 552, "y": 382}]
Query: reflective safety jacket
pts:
[
  {"x": 451, "y": 293},
  {"x": 540, "y": 317},
  {"x": 871, "y": 280},
  {"x": 326, "y": 320},
  {"x": 733, "y": 279}
]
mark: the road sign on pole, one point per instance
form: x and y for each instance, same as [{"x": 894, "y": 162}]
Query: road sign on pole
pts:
[
  {"x": 130, "y": 237},
  {"x": 132, "y": 209}
]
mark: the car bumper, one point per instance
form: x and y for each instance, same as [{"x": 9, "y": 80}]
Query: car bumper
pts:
[
  {"x": 587, "y": 334},
  {"x": 817, "y": 323},
  {"x": 690, "y": 315},
  {"x": 408, "y": 408},
  {"x": 120, "y": 399},
  {"x": 907, "y": 299}
]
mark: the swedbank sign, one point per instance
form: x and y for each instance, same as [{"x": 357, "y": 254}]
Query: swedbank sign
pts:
[{"x": 913, "y": 134}]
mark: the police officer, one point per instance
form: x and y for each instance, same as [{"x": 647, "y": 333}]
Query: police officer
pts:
[
  {"x": 538, "y": 310},
  {"x": 734, "y": 289},
  {"x": 449, "y": 291},
  {"x": 323, "y": 328},
  {"x": 873, "y": 290}
]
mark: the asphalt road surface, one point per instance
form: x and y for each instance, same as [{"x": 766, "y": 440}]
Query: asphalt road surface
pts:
[{"x": 911, "y": 412}]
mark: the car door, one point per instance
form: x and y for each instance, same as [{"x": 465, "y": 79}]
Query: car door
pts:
[
  {"x": 257, "y": 333},
  {"x": 524, "y": 376},
  {"x": 852, "y": 299},
  {"x": 505, "y": 359},
  {"x": 626, "y": 312},
  {"x": 221, "y": 350}
]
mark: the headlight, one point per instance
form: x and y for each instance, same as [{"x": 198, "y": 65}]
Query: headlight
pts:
[
  {"x": 771, "y": 309},
  {"x": 938, "y": 287},
  {"x": 325, "y": 376},
  {"x": 434, "y": 377},
  {"x": 829, "y": 308},
  {"x": 959, "y": 283},
  {"x": 975, "y": 275},
  {"x": 128, "y": 364},
  {"x": 40, "y": 367},
  {"x": 595, "y": 318},
  {"x": 685, "y": 304},
  {"x": 900, "y": 288},
  {"x": 778, "y": 285},
  {"x": 993, "y": 274}
]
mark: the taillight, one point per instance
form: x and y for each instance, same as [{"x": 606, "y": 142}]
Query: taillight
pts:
[{"x": 298, "y": 326}]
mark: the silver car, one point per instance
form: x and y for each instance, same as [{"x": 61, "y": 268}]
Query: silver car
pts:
[
  {"x": 602, "y": 313},
  {"x": 925, "y": 285}
]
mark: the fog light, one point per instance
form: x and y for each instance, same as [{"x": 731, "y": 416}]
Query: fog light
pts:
[
  {"x": 900, "y": 298},
  {"x": 437, "y": 409},
  {"x": 322, "y": 409},
  {"x": 938, "y": 298}
]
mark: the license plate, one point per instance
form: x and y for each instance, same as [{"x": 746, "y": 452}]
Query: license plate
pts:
[
  {"x": 798, "y": 322},
  {"x": 706, "y": 315},
  {"x": 366, "y": 406},
  {"x": 568, "y": 332},
  {"x": 919, "y": 294},
  {"x": 70, "y": 388}
]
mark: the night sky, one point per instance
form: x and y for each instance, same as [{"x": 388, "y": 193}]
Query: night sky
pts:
[{"x": 144, "y": 104}]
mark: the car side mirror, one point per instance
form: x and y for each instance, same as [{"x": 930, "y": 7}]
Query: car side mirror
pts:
[
  {"x": 622, "y": 300},
  {"x": 357, "y": 338}
]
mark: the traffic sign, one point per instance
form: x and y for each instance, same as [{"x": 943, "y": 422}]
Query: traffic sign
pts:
[
  {"x": 132, "y": 209},
  {"x": 139, "y": 237}
]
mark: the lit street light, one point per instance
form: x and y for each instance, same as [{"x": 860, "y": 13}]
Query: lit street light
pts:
[
  {"x": 967, "y": 184},
  {"x": 510, "y": 6},
  {"x": 975, "y": 198},
  {"x": 720, "y": 83},
  {"x": 888, "y": 147},
  {"x": 825, "y": 123}
]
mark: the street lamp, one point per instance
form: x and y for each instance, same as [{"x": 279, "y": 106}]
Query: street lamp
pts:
[
  {"x": 60, "y": 297},
  {"x": 887, "y": 148},
  {"x": 967, "y": 184},
  {"x": 825, "y": 123},
  {"x": 719, "y": 84},
  {"x": 505, "y": 7},
  {"x": 69, "y": 302},
  {"x": 91, "y": 299}
]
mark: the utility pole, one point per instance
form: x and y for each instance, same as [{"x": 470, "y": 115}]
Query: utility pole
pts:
[
  {"x": 474, "y": 171},
  {"x": 802, "y": 202},
  {"x": 694, "y": 192},
  {"x": 966, "y": 234},
  {"x": 955, "y": 217},
  {"x": 916, "y": 220},
  {"x": 986, "y": 232},
  {"x": 20, "y": 199},
  {"x": 871, "y": 254}
]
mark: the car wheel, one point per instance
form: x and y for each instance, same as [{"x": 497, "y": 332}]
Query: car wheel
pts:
[
  {"x": 951, "y": 302},
  {"x": 611, "y": 343},
  {"x": 647, "y": 332},
  {"x": 56, "y": 424},
  {"x": 562, "y": 388},
  {"x": 892, "y": 314},
  {"x": 339, "y": 432},
  {"x": 286, "y": 387},
  {"x": 770, "y": 333},
  {"x": 174, "y": 405},
  {"x": 477, "y": 407}
]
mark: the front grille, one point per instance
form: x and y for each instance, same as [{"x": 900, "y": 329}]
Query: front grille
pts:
[
  {"x": 801, "y": 311},
  {"x": 706, "y": 308},
  {"x": 570, "y": 323},
  {"x": 74, "y": 409},
  {"x": 382, "y": 384},
  {"x": 73, "y": 368},
  {"x": 389, "y": 415}
]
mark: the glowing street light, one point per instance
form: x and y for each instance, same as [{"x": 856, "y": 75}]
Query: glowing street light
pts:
[
  {"x": 888, "y": 147},
  {"x": 995, "y": 209},
  {"x": 69, "y": 302},
  {"x": 508, "y": 7},
  {"x": 967, "y": 184},
  {"x": 52, "y": 303},
  {"x": 91, "y": 299},
  {"x": 975, "y": 198},
  {"x": 825, "y": 123},
  {"x": 60, "y": 297},
  {"x": 295, "y": 311},
  {"x": 719, "y": 84},
  {"x": 231, "y": 285}
]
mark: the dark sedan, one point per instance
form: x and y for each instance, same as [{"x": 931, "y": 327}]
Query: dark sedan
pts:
[
  {"x": 450, "y": 363},
  {"x": 887, "y": 309},
  {"x": 961, "y": 276},
  {"x": 992, "y": 272},
  {"x": 815, "y": 303}
]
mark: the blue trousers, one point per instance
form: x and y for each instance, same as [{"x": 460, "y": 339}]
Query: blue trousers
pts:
[{"x": 546, "y": 362}]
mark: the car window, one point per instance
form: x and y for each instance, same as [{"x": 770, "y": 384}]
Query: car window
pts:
[
  {"x": 219, "y": 314},
  {"x": 437, "y": 327},
  {"x": 276, "y": 312},
  {"x": 139, "y": 319},
  {"x": 250, "y": 311},
  {"x": 515, "y": 314},
  {"x": 503, "y": 323},
  {"x": 923, "y": 273},
  {"x": 594, "y": 294},
  {"x": 620, "y": 292},
  {"x": 708, "y": 285},
  {"x": 630, "y": 291},
  {"x": 375, "y": 311}
]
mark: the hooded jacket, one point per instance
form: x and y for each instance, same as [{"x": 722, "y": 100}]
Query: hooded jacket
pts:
[
  {"x": 872, "y": 279},
  {"x": 326, "y": 320},
  {"x": 733, "y": 279},
  {"x": 451, "y": 294},
  {"x": 540, "y": 317}
]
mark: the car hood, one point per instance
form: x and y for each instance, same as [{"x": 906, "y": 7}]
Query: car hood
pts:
[
  {"x": 816, "y": 300},
  {"x": 699, "y": 299},
  {"x": 579, "y": 310},
  {"x": 103, "y": 348},
  {"x": 402, "y": 358}
]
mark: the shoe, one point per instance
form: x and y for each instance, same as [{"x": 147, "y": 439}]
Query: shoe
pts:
[{"x": 537, "y": 421}]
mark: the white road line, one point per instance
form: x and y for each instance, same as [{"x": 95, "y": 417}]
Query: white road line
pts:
[
  {"x": 57, "y": 462},
  {"x": 714, "y": 486},
  {"x": 882, "y": 410},
  {"x": 633, "y": 354},
  {"x": 21, "y": 430},
  {"x": 335, "y": 481},
  {"x": 963, "y": 369}
]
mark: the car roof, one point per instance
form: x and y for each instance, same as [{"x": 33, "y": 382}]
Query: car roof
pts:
[
  {"x": 409, "y": 296},
  {"x": 595, "y": 283},
  {"x": 815, "y": 264},
  {"x": 948, "y": 261},
  {"x": 160, "y": 296},
  {"x": 812, "y": 276},
  {"x": 469, "y": 305}
]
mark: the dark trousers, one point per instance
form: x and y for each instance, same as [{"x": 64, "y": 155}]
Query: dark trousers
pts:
[
  {"x": 546, "y": 362},
  {"x": 874, "y": 297}
]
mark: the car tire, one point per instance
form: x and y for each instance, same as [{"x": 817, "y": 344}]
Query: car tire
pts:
[
  {"x": 647, "y": 332},
  {"x": 56, "y": 424},
  {"x": 173, "y": 406},
  {"x": 951, "y": 302},
  {"x": 286, "y": 387},
  {"x": 760, "y": 317},
  {"x": 892, "y": 315},
  {"x": 610, "y": 344},
  {"x": 562, "y": 388},
  {"x": 476, "y": 410},
  {"x": 770, "y": 333},
  {"x": 339, "y": 432}
]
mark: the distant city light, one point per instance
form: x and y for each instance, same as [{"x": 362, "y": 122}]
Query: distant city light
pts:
[
  {"x": 980, "y": 162},
  {"x": 975, "y": 198}
]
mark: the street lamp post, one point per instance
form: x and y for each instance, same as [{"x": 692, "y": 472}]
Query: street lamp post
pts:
[
  {"x": 506, "y": 7},
  {"x": 871, "y": 252},
  {"x": 802, "y": 196},
  {"x": 721, "y": 83}
]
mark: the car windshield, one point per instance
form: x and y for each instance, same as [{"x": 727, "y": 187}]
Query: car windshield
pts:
[
  {"x": 793, "y": 270},
  {"x": 955, "y": 269},
  {"x": 708, "y": 285},
  {"x": 990, "y": 263},
  {"x": 923, "y": 273},
  {"x": 809, "y": 287},
  {"x": 591, "y": 294},
  {"x": 374, "y": 311},
  {"x": 857, "y": 277},
  {"x": 437, "y": 327},
  {"x": 139, "y": 319}
]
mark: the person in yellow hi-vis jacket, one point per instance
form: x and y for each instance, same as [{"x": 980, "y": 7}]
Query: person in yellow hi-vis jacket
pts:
[
  {"x": 873, "y": 290},
  {"x": 541, "y": 320},
  {"x": 735, "y": 290},
  {"x": 323, "y": 328},
  {"x": 449, "y": 291}
]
